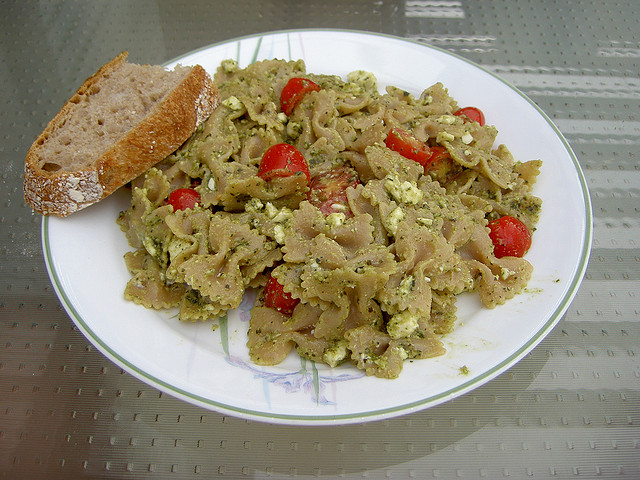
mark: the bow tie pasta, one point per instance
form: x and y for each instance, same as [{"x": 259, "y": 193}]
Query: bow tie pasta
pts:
[{"x": 359, "y": 233}]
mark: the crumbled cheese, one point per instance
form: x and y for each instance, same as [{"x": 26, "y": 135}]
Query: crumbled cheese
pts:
[
  {"x": 505, "y": 273},
  {"x": 283, "y": 215},
  {"x": 447, "y": 119},
  {"x": 393, "y": 220},
  {"x": 270, "y": 210},
  {"x": 280, "y": 216},
  {"x": 444, "y": 137},
  {"x": 336, "y": 219},
  {"x": 279, "y": 234},
  {"x": 233, "y": 103},
  {"x": 467, "y": 138},
  {"x": 404, "y": 192},
  {"x": 282, "y": 117},
  {"x": 253, "y": 205},
  {"x": 402, "y": 324},
  {"x": 401, "y": 351},
  {"x": 427, "y": 222},
  {"x": 229, "y": 65},
  {"x": 211, "y": 184},
  {"x": 294, "y": 129},
  {"x": 336, "y": 353}
]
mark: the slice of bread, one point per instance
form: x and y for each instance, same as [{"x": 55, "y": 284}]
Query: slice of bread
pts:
[{"x": 124, "y": 119}]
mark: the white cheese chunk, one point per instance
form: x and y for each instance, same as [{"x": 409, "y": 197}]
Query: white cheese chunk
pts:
[
  {"x": 393, "y": 220},
  {"x": 279, "y": 234},
  {"x": 402, "y": 324},
  {"x": 447, "y": 119},
  {"x": 444, "y": 137},
  {"x": 336, "y": 219},
  {"x": 467, "y": 138},
  {"x": 335, "y": 354},
  {"x": 404, "y": 192},
  {"x": 233, "y": 103}
]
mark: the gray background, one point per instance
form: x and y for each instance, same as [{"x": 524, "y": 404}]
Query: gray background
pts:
[{"x": 569, "y": 409}]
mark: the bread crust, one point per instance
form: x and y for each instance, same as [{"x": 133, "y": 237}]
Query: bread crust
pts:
[{"x": 159, "y": 134}]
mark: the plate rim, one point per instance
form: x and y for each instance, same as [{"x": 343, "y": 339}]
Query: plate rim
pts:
[{"x": 377, "y": 414}]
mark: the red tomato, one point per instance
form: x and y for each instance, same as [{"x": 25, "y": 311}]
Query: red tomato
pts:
[
  {"x": 440, "y": 165},
  {"x": 294, "y": 90},
  {"x": 472, "y": 113},
  {"x": 408, "y": 146},
  {"x": 275, "y": 297},
  {"x": 510, "y": 237},
  {"x": 439, "y": 156},
  {"x": 282, "y": 160},
  {"x": 183, "y": 198},
  {"x": 328, "y": 190}
]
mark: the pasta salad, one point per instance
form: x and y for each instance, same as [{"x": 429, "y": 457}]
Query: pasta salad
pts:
[{"x": 358, "y": 217}]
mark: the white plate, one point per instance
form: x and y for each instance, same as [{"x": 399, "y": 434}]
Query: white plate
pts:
[{"x": 211, "y": 368}]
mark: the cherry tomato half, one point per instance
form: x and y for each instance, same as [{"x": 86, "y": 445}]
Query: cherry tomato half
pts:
[
  {"x": 439, "y": 155},
  {"x": 510, "y": 237},
  {"x": 183, "y": 198},
  {"x": 440, "y": 165},
  {"x": 282, "y": 160},
  {"x": 474, "y": 114},
  {"x": 275, "y": 297},
  {"x": 294, "y": 90},
  {"x": 408, "y": 146},
  {"x": 328, "y": 190}
]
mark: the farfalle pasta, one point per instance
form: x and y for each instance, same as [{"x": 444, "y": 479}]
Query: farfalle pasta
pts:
[{"x": 375, "y": 280}]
